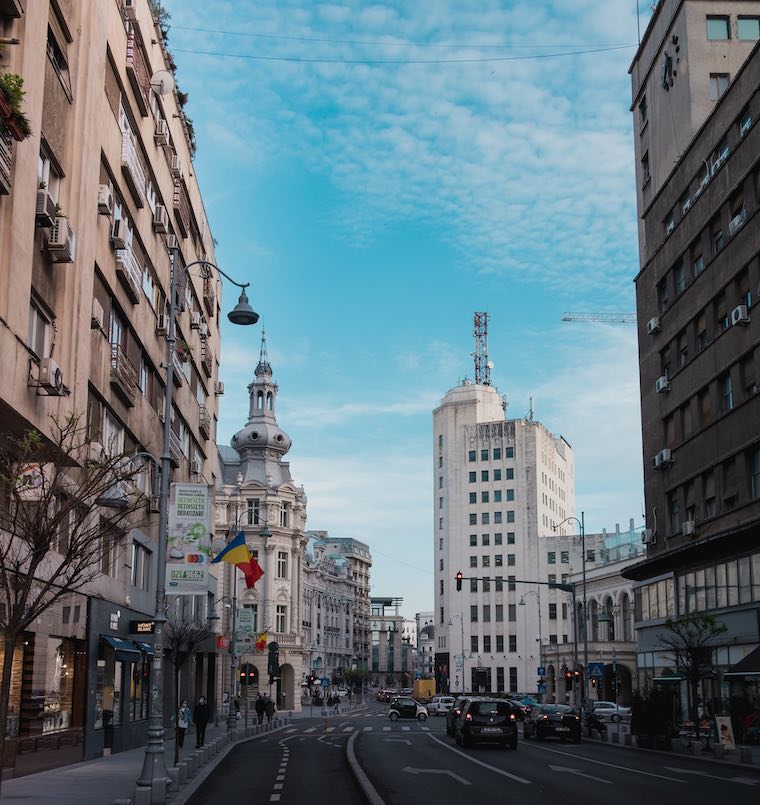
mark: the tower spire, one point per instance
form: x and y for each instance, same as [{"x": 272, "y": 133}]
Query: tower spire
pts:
[{"x": 264, "y": 367}]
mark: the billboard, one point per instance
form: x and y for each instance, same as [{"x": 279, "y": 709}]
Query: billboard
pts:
[{"x": 189, "y": 539}]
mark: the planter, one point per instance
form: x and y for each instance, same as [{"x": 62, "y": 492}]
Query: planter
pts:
[
  {"x": 15, "y": 129},
  {"x": 6, "y": 110}
]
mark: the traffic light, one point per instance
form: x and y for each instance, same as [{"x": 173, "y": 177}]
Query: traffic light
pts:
[
  {"x": 568, "y": 680},
  {"x": 458, "y": 577},
  {"x": 577, "y": 675},
  {"x": 593, "y": 683},
  {"x": 273, "y": 661}
]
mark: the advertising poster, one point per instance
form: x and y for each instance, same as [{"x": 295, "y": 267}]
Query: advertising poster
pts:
[
  {"x": 725, "y": 732},
  {"x": 244, "y": 642},
  {"x": 189, "y": 539}
]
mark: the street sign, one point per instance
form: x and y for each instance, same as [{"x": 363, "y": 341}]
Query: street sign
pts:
[
  {"x": 325, "y": 682},
  {"x": 542, "y": 688},
  {"x": 596, "y": 670},
  {"x": 541, "y": 671}
]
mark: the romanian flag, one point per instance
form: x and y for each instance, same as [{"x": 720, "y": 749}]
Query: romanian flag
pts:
[
  {"x": 237, "y": 553},
  {"x": 261, "y": 642}
]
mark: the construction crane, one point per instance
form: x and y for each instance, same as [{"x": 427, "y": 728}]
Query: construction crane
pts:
[{"x": 605, "y": 318}]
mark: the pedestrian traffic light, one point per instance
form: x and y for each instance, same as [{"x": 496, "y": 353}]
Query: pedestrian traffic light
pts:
[
  {"x": 458, "y": 577},
  {"x": 577, "y": 675},
  {"x": 568, "y": 680},
  {"x": 593, "y": 683}
]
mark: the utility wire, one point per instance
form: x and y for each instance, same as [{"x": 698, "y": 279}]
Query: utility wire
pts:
[{"x": 480, "y": 60}]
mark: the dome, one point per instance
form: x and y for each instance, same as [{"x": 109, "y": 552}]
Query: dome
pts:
[{"x": 261, "y": 436}]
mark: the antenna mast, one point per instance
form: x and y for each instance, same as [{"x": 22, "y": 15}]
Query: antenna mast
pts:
[{"x": 482, "y": 366}]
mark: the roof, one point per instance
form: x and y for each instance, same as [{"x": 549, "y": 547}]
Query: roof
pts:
[{"x": 749, "y": 666}]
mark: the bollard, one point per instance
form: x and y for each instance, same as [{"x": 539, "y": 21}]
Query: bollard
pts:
[
  {"x": 158, "y": 791},
  {"x": 192, "y": 765},
  {"x": 745, "y": 754},
  {"x": 173, "y": 774},
  {"x": 181, "y": 774},
  {"x": 142, "y": 795}
]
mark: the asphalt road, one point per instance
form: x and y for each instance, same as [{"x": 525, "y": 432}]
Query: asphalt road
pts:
[{"x": 411, "y": 762}]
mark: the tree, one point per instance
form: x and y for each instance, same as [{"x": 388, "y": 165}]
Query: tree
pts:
[
  {"x": 689, "y": 641},
  {"x": 63, "y": 516},
  {"x": 182, "y": 637}
]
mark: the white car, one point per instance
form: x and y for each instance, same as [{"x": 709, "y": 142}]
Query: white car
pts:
[
  {"x": 440, "y": 705},
  {"x": 611, "y": 711}
]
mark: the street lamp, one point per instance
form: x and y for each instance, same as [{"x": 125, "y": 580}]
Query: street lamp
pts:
[
  {"x": 461, "y": 622},
  {"x": 154, "y": 774},
  {"x": 521, "y": 602},
  {"x": 582, "y": 526}
]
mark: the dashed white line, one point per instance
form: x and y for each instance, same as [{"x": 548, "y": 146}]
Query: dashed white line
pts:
[
  {"x": 274, "y": 798},
  {"x": 311, "y": 729},
  {"x": 294, "y": 729},
  {"x": 367, "y": 729},
  {"x": 405, "y": 729},
  {"x": 386, "y": 729},
  {"x": 348, "y": 729}
]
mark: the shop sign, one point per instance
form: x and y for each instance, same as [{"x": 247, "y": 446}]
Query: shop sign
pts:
[
  {"x": 222, "y": 642},
  {"x": 142, "y": 627},
  {"x": 114, "y": 622},
  {"x": 189, "y": 539}
]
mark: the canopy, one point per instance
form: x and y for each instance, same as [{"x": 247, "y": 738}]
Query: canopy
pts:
[
  {"x": 749, "y": 666},
  {"x": 126, "y": 650}
]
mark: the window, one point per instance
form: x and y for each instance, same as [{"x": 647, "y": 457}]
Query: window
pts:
[
  {"x": 473, "y": 585},
  {"x": 645, "y": 175},
  {"x": 487, "y": 644},
  {"x": 486, "y": 561},
  {"x": 756, "y": 475},
  {"x": 551, "y": 558},
  {"x": 705, "y": 407},
  {"x": 497, "y": 496},
  {"x": 474, "y": 614},
  {"x": 473, "y": 561},
  {"x": 440, "y": 523},
  {"x": 441, "y": 586},
  {"x": 680, "y": 276},
  {"x": 473, "y": 477},
  {"x": 510, "y": 452},
  {"x": 564, "y": 557},
  {"x": 717, "y": 28},
  {"x": 440, "y": 503},
  {"x": 486, "y": 613},
  {"x": 662, "y": 294},
  {"x": 282, "y": 564},
  {"x": 643, "y": 111},
  {"x": 510, "y": 474},
  {"x": 500, "y": 650},
  {"x": 745, "y": 122},
  {"x": 718, "y": 241},
  {"x": 140, "y": 575},
  {"x": 718, "y": 85},
  {"x": 564, "y": 612},
  {"x": 674, "y": 507},
  {"x": 484, "y": 518},
  {"x": 440, "y": 461},
  {"x": 484, "y": 455},
  {"x": 510, "y": 537},
  {"x": 513, "y": 643},
  {"x": 497, "y": 538},
  {"x": 590, "y": 557},
  {"x": 497, "y": 517},
  {"x": 510, "y": 516},
  {"x": 512, "y": 612},
  {"x": 484, "y": 475},
  {"x": 499, "y": 584},
  {"x": 474, "y": 644},
  {"x": 497, "y": 475},
  {"x": 484, "y": 497},
  {"x": 497, "y": 454},
  {"x": 511, "y": 559},
  {"x": 57, "y": 58},
  {"x": 280, "y": 618},
  {"x": 486, "y": 539},
  {"x": 473, "y": 519},
  {"x": 486, "y": 585},
  {"x": 473, "y": 497},
  {"x": 748, "y": 28},
  {"x": 472, "y": 455},
  {"x": 473, "y": 540},
  {"x": 698, "y": 264},
  {"x": 39, "y": 331},
  {"x": 285, "y": 514},
  {"x": 552, "y": 612},
  {"x": 511, "y": 583},
  {"x": 510, "y": 494},
  {"x": 48, "y": 175},
  {"x": 701, "y": 328},
  {"x": 498, "y": 560},
  {"x": 726, "y": 393}
]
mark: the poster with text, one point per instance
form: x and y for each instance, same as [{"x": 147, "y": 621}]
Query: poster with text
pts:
[{"x": 189, "y": 539}]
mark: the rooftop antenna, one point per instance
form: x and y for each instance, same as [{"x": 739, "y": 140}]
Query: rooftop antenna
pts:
[
  {"x": 482, "y": 365},
  {"x": 529, "y": 417}
]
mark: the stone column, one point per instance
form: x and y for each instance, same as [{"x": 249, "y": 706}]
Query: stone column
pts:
[
  {"x": 269, "y": 571},
  {"x": 295, "y": 592}
]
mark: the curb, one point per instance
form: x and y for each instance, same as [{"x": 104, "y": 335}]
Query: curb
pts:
[{"x": 368, "y": 790}]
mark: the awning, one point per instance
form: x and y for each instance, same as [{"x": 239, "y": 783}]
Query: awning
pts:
[
  {"x": 668, "y": 680},
  {"x": 749, "y": 666},
  {"x": 148, "y": 648},
  {"x": 126, "y": 650}
]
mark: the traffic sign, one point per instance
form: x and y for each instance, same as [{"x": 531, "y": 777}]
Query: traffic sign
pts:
[
  {"x": 325, "y": 682},
  {"x": 596, "y": 670},
  {"x": 542, "y": 688},
  {"x": 541, "y": 671}
]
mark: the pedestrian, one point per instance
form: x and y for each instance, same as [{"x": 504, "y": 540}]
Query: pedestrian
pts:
[
  {"x": 183, "y": 722},
  {"x": 201, "y": 715},
  {"x": 336, "y": 703},
  {"x": 330, "y": 700},
  {"x": 269, "y": 709},
  {"x": 259, "y": 706}
]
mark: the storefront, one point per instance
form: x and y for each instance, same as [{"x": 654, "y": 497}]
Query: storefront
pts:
[{"x": 744, "y": 698}]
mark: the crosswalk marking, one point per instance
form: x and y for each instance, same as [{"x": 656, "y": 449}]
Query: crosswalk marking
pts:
[
  {"x": 368, "y": 729},
  {"x": 425, "y": 729},
  {"x": 311, "y": 729},
  {"x": 405, "y": 729},
  {"x": 331, "y": 729},
  {"x": 386, "y": 729},
  {"x": 348, "y": 729},
  {"x": 294, "y": 729}
]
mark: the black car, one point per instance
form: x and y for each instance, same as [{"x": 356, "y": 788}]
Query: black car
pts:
[
  {"x": 555, "y": 721},
  {"x": 453, "y": 713},
  {"x": 487, "y": 720},
  {"x": 406, "y": 707}
]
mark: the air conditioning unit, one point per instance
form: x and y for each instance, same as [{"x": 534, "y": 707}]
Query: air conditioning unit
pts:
[
  {"x": 663, "y": 459},
  {"x": 161, "y": 135},
  {"x": 130, "y": 9},
  {"x": 161, "y": 219},
  {"x": 195, "y": 467},
  {"x": 662, "y": 384},
  {"x": 175, "y": 166},
  {"x": 62, "y": 243},
  {"x": 219, "y": 388},
  {"x": 648, "y": 536},
  {"x": 203, "y": 330},
  {"x": 195, "y": 320},
  {"x": 670, "y": 227},
  {"x": 105, "y": 200},
  {"x": 653, "y": 326},
  {"x": 686, "y": 206},
  {"x": 740, "y": 315},
  {"x": 95, "y": 453},
  {"x": 96, "y": 316},
  {"x": 689, "y": 528},
  {"x": 50, "y": 377},
  {"x": 119, "y": 234},
  {"x": 162, "y": 324},
  {"x": 44, "y": 212},
  {"x": 171, "y": 242}
]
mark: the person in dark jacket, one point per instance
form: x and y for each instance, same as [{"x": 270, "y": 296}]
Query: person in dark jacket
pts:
[
  {"x": 201, "y": 715},
  {"x": 260, "y": 708},
  {"x": 269, "y": 710}
]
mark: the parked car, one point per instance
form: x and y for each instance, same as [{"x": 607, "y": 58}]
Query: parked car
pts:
[
  {"x": 440, "y": 705},
  {"x": 342, "y": 692},
  {"x": 406, "y": 707},
  {"x": 406, "y": 691},
  {"x": 555, "y": 721},
  {"x": 611, "y": 711},
  {"x": 487, "y": 720},
  {"x": 386, "y": 695},
  {"x": 453, "y": 713}
]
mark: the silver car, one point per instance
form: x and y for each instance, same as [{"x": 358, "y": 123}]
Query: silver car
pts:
[
  {"x": 440, "y": 705},
  {"x": 611, "y": 711}
]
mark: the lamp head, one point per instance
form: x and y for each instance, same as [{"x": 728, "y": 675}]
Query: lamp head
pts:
[{"x": 243, "y": 313}]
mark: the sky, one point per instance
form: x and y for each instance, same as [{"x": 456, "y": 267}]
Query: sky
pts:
[{"x": 381, "y": 171}]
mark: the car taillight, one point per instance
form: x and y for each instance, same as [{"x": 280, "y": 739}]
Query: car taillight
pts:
[
  {"x": 468, "y": 717},
  {"x": 544, "y": 718},
  {"x": 511, "y": 716},
  {"x": 577, "y": 718}
]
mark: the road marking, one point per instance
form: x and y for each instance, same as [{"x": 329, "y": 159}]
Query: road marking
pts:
[
  {"x": 367, "y": 729},
  {"x": 425, "y": 729},
  {"x": 331, "y": 729},
  {"x": 480, "y": 762},
  {"x": 279, "y": 778},
  {"x": 410, "y": 770},
  {"x": 399, "y": 740},
  {"x": 602, "y": 763},
  {"x": 348, "y": 729},
  {"x": 405, "y": 729},
  {"x": 568, "y": 770},
  {"x": 277, "y": 787},
  {"x": 740, "y": 780},
  {"x": 311, "y": 729},
  {"x": 294, "y": 729},
  {"x": 386, "y": 729},
  {"x": 274, "y": 798}
]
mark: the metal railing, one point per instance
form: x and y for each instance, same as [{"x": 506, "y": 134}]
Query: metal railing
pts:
[
  {"x": 130, "y": 163},
  {"x": 204, "y": 421},
  {"x": 127, "y": 264},
  {"x": 137, "y": 72},
  {"x": 6, "y": 157},
  {"x": 123, "y": 372},
  {"x": 209, "y": 296},
  {"x": 181, "y": 207}
]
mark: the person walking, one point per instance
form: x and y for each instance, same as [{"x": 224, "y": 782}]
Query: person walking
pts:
[
  {"x": 269, "y": 709},
  {"x": 336, "y": 702},
  {"x": 259, "y": 707},
  {"x": 201, "y": 715},
  {"x": 183, "y": 722}
]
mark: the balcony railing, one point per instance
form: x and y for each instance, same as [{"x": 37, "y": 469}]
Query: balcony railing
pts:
[
  {"x": 123, "y": 374},
  {"x": 207, "y": 360},
  {"x": 137, "y": 72},
  {"x": 179, "y": 370},
  {"x": 204, "y": 421},
  {"x": 181, "y": 208},
  {"x": 209, "y": 296},
  {"x": 175, "y": 449},
  {"x": 132, "y": 168},
  {"x": 129, "y": 272},
  {"x": 6, "y": 156}
]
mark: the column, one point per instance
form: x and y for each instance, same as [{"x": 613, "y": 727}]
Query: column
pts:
[
  {"x": 295, "y": 592},
  {"x": 269, "y": 570}
]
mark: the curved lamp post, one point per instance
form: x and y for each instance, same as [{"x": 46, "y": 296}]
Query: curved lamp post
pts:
[
  {"x": 461, "y": 622},
  {"x": 154, "y": 774}
]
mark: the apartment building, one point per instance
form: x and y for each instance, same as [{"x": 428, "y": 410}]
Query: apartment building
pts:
[
  {"x": 696, "y": 104},
  {"x": 91, "y": 195},
  {"x": 500, "y": 484},
  {"x": 390, "y": 659}
]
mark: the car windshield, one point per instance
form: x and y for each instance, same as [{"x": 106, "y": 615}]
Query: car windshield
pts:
[
  {"x": 490, "y": 709},
  {"x": 557, "y": 708}
]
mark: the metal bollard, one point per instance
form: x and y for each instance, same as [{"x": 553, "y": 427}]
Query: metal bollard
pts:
[
  {"x": 181, "y": 774},
  {"x": 173, "y": 775},
  {"x": 142, "y": 795}
]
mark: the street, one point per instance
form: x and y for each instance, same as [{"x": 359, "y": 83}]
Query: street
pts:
[{"x": 417, "y": 762}]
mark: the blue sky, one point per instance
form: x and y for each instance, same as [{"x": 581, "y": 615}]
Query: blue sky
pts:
[{"x": 375, "y": 207}]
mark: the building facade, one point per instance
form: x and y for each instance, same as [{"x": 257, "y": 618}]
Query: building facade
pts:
[
  {"x": 256, "y": 494},
  {"x": 389, "y": 661},
  {"x": 424, "y": 658},
  {"x": 696, "y": 105},
  {"x": 90, "y": 199},
  {"x": 499, "y": 485}
]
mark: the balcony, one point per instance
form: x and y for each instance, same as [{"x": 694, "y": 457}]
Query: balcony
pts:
[
  {"x": 179, "y": 370},
  {"x": 6, "y": 155},
  {"x": 11, "y": 9},
  {"x": 175, "y": 449},
  {"x": 137, "y": 72},
  {"x": 132, "y": 168},
  {"x": 129, "y": 272},
  {"x": 204, "y": 421},
  {"x": 123, "y": 375},
  {"x": 209, "y": 296},
  {"x": 207, "y": 359},
  {"x": 181, "y": 208}
]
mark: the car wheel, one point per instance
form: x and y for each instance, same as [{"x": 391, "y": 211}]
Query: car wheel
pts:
[
  {"x": 616, "y": 718},
  {"x": 393, "y": 716},
  {"x": 422, "y": 716}
]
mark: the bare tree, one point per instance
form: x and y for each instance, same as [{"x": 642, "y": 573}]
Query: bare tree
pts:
[
  {"x": 689, "y": 642},
  {"x": 63, "y": 515},
  {"x": 182, "y": 637}
]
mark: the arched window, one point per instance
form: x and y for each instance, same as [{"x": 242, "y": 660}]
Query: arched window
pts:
[
  {"x": 270, "y": 401},
  {"x": 594, "y": 614},
  {"x": 608, "y": 608},
  {"x": 625, "y": 614},
  {"x": 260, "y": 401}
]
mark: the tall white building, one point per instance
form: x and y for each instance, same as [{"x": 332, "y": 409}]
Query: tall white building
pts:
[{"x": 500, "y": 484}]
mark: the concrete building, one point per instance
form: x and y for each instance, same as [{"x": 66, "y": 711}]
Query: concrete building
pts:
[
  {"x": 256, "y": 494},
  {"x": 88, "y": 203},
  {"x": 499, "y": 485},
  {"x": 389, "y": 659},
  {"x": 424, "y": 661},
  {"x": 695, "y": 102}
]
